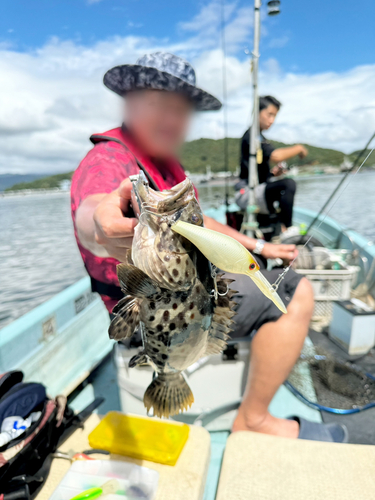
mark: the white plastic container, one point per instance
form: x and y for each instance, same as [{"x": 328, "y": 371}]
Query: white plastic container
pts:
[
  {"x": 135, "y": 482},
  {"x": 353, "y": 326},
  {"x": 329, "y": 286}
]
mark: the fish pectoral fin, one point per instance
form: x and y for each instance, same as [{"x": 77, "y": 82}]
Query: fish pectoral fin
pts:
[
  {"x": 138, "y": 359},
  {"x": 122, "y": 303},
  {"x": 135, "y": 282},
  {"x": 126, "y": 320}
]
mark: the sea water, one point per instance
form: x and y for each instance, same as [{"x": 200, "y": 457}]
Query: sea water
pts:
[{"x": 39, "y": 256}]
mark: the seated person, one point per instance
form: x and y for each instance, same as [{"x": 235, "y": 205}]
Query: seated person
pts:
[
  {"x": 161, "y": 96},
  {"x": 282, "y": 190}
]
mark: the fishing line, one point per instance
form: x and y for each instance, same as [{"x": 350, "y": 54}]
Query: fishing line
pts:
[
  {"x": 225, "y": 107},
  {"x": 144, "y": 211},
  {"x": 276, "y": 285},
  {"x": 359, "y": 156}
]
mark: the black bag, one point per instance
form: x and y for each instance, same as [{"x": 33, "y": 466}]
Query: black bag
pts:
[{"x": 25, "y": 461}]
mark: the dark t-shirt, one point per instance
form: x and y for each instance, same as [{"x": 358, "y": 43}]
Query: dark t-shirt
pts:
[{"x": 263, "y": 168}]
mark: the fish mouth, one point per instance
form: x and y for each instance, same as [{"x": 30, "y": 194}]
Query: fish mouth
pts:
[
  {"x": 175, "y": 198},
  {"x": 267, "y": 289},
  {"x": 160, "y": 202}
]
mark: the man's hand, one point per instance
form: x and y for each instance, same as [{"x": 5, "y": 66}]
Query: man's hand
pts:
[
  {"x": 282, "y": 154},
  {"x": 113, "y": 231},
  {"x": 277, "y": 170},
  {"x": 303, "y": 152},
  {"x": 285, "y": 252}
]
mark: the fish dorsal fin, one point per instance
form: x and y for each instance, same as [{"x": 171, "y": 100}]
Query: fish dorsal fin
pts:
[
  {"x": 221, "y": 325},
  {"x": 126, "y": 319},
  {"x": 135, "y": 282}
]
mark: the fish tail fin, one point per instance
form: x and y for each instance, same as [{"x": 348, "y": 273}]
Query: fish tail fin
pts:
[{"x": 168, "y": 394}]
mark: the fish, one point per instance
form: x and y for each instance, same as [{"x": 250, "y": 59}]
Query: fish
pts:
[{"x": 172, "y": 293}]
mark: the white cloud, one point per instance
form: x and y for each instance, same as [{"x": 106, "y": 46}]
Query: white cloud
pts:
[
  {"x": 52, "y": 99},
  {"x": 134, "y": 25},
  {"x": 206, "y": 26},
  {"x": 278, "y": 43}
]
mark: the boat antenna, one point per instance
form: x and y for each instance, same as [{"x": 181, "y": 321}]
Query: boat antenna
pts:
[
  {"x": 354, "y": 166},
  {"x": 251, "y": 224},
  {"x": 225, "y": 107}
]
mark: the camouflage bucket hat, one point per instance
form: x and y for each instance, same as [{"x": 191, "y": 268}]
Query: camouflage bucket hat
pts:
[{"x": 160, "y": 71}]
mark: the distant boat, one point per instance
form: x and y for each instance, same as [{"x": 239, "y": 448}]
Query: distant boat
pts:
[{"x": 346, "y": 165}]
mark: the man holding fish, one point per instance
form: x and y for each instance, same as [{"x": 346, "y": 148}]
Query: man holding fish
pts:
[{"x": 161, "y": 97}]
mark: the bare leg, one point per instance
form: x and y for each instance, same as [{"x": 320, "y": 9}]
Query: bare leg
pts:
[{"x": 274, "y": 351}]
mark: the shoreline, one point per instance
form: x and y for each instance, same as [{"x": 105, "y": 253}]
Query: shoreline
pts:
[
  {"x": 219, "y": 182},
  {"x": 28, "y": 192}
]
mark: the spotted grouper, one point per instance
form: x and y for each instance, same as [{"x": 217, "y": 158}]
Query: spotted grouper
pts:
[{"x": 169, "y": 294}]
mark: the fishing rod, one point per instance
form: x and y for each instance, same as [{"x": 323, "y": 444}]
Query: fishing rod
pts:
[
  {"x": 225, "y": 107},
  {"x": 333, "y": 194},
  {"x": 255, "y": 147}
]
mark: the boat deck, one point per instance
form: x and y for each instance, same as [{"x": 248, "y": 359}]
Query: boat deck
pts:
[
  {"x": 103, "y": 383},
  {"x": 360, "y": 425}
]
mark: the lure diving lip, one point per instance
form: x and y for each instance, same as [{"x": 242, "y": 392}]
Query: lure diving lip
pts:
[
  {"x": 227, "y": 254},
  {"x": 268, "y": 290}
]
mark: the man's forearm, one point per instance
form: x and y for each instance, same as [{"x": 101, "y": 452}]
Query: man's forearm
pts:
[
  {"x": 247, "y": 242},
  {"x": 86, "y": 226},
  {"x": 282, "y": 154}
]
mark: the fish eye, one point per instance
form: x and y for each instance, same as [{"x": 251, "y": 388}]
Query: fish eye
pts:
[
  {"x": 196, "y": 219},
  {"x": 252, "y": 266}
]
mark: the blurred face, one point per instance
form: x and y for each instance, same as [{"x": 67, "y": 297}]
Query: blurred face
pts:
[
  {"x": 158, "y": 120},
  {"x": 267, "y": 117}
]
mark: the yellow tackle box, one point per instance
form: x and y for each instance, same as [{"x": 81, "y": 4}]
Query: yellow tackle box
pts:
[{"x": 140, "y": 437}]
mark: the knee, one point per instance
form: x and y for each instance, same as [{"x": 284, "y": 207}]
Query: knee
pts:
[
  {"x": 290, "y": 185},
  {"x": 303, "y": 299}
]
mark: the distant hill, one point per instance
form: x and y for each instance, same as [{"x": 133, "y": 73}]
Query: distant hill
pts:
[
  {"x": 197, "y": 155},
  {"x": 52, "y": 181},
  {"x": 8, "y": 180},
  {"x": 316, "y": 156},
  {"x": 369, "y": 163}
]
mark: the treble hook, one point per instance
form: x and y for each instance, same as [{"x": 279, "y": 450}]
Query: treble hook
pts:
[{"x": 215, "y": 292}]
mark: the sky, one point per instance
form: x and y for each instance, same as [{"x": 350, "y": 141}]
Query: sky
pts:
[{"x": 317, "y": 58}]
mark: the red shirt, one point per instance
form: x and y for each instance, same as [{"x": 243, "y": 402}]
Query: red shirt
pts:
[{"x": 102, "y": 171}]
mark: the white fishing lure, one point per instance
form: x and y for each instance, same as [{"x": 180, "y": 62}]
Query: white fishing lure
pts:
[{"x": 227, "y": 254}]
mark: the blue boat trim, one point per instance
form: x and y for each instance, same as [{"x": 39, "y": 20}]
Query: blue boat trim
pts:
[{"x": 60, "y": 341}]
